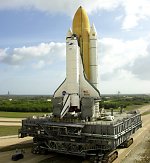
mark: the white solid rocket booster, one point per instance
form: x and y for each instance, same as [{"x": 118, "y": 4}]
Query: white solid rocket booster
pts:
[{"x": 93, "y": 57}]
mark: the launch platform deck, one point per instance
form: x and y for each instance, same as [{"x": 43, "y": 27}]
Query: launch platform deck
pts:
[{"x": 79, "y": 137}]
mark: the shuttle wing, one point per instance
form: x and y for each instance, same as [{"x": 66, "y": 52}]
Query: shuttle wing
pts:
[{"x": 59, "y": 91}]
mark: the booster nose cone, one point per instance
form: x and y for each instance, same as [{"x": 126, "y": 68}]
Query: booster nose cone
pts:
[
  {"x": 80, "y": 22},
  {"x": 93, "y": 33}
]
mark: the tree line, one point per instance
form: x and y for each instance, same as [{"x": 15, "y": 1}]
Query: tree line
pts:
[
  {"x": 40, "y": 103},
  {"x": 123, "y": 102},
  {"x": 25, "y": 106}
]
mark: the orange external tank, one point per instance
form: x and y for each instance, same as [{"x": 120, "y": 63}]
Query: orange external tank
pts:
[{"x": 81, "y": 27}]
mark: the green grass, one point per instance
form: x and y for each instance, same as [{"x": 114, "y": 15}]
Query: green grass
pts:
[
  {"x": 133, "y": 107},
  {"x": 8, "y": 130},
  {"x": 128, "y": 108},
  {"x": 19, "y": 114}
]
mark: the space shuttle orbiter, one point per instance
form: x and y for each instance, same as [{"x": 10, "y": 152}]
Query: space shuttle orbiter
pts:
[{"x": 78, "y": 93}]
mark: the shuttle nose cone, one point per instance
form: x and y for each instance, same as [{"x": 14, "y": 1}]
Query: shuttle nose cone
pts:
[
  {"x": 80, "y": 22},
  {"x": 69, "y": 33}
]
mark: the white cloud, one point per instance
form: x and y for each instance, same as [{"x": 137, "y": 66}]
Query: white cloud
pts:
[
  {"x": 116, "y": 56},
  {"x": 122, "y": 66},
  {"x": 44, "y": 52},
  {"x": 134, "y": 10},
  {"x": 3, "y": 54},
  {"x": 40, "y": 50},
  {"x": 141, "y": 68},
  {"x": 59, "y": 6},
  {"x": 117, "y": 53},
  {"x": 39, "y": 65}
]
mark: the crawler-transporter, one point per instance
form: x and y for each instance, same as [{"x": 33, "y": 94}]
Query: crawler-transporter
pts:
[{"x": 88, "y": 138}]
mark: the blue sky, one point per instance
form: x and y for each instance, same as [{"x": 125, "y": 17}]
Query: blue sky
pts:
[{"x": 32, "y": 44}]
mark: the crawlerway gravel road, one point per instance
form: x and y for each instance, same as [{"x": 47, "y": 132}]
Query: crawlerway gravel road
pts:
[
  {"x": 127, "y": 155},
  {"x": 10, "y": 121}
]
